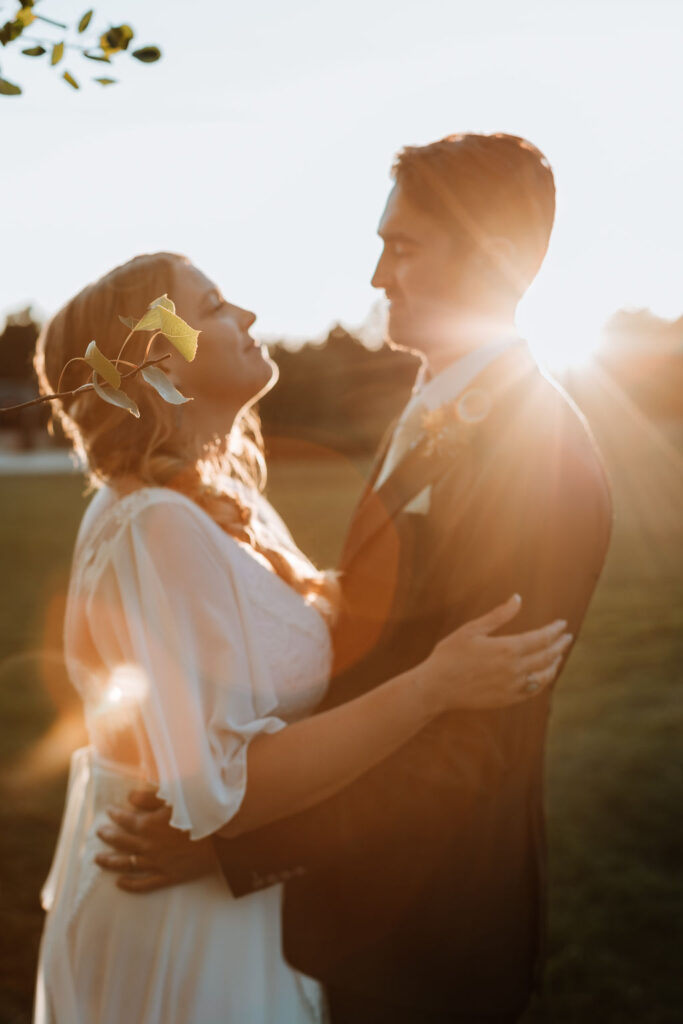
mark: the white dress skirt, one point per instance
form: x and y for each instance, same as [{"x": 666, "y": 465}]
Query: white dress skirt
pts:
[{"x": 184, "y": 645}]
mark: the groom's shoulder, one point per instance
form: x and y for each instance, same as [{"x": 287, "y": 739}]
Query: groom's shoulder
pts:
[{"x": 556, "y": 435}]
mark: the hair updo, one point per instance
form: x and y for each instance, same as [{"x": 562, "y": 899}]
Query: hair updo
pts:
[{"x": 151, "y": 451}]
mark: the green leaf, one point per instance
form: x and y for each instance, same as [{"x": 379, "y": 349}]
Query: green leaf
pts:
[
  {"x": 147, "y": 54},
  {"x": 99, "y": 362},
  {"x": 160, "y": 382},
  {"x": 10, "y": 31},
  {"x": 116, "y": 39},
  {"x": 26, "y": 16},
  {"x": 181, "y": 335},
  {"x": 164, "y": 301},
  {"x": 151, "y": 321},
  {"x": 8, "y": 88},
  {"x": 35, "y": 51},
  {"x": 85, "y": 21},
  {"x": 57, "y": 53},
  {"x": 115, "y": 397},
  {"x": 71, "y": 80}
]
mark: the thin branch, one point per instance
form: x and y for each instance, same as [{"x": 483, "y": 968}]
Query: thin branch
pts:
[
  {"x": 49, "y": 21},
  {"x": 83, "y": 387}
]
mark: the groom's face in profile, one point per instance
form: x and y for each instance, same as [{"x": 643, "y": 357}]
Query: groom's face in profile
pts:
[{"x": 426, "y": 272}]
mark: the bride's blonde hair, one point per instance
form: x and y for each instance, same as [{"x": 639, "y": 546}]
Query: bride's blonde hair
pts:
[{"x": 151, "y": 449}]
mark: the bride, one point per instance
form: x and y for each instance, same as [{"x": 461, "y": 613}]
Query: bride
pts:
[{"x": 197, "y": 635}]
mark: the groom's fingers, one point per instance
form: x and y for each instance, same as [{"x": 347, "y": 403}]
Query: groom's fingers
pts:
[
  {"x": 144, "y": 883},
  {"x": 144, "y": 800},
  {"x": 120, "y": 840},
  {"x": 123, "y": 863}
]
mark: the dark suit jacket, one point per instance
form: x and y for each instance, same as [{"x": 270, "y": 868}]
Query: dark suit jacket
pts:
[{"x": 423, "y": 882}]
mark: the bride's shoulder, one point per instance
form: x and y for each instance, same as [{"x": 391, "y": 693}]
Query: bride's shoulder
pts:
[{"x": 153, "y": 514}]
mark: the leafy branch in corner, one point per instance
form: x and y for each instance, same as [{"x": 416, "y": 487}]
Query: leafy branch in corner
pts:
[
  {"x": 106, "y": 378},
  {"x": 102, "y": 48}
]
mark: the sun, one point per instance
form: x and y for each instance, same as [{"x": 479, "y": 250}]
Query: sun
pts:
[{"x": 564, "y": 341}]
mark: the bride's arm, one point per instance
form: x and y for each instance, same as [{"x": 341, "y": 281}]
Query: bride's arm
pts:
[{"x": 309, "y": 761}]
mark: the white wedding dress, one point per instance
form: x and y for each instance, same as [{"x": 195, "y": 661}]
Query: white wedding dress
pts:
[{"x": 184, "y": 646}]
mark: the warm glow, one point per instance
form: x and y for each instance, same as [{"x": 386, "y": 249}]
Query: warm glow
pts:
[
  {"x": 561, "y": 340},
  {"x": 127, "y": 685}
]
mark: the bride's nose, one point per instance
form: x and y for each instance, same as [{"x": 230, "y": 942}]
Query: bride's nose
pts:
[{"x": 245, "y": 318}]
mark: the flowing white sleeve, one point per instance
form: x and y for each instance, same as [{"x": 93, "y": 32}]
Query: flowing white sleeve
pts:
[{"x": 169, "y": 610}]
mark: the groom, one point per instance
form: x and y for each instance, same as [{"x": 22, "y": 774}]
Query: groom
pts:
[{"x": 417, "y": 894}]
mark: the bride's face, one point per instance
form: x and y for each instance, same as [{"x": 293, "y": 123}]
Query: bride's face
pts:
[{"x": 229, "y": 367}]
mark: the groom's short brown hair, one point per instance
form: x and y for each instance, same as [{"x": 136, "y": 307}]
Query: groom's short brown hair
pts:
[{"x": 485, "y": 187}]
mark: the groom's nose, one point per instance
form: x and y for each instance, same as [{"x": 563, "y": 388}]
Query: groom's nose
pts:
[{"x": 381, "y": 276}]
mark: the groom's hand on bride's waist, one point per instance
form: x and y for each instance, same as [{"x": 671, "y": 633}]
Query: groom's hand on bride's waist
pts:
[{"x": 146, "y": 852}]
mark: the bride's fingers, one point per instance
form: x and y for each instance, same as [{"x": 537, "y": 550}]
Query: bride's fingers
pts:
[
  {"x": 540, "y": 660},
  {"x": 520, "y": 644},
  {"x": 497, "y": 617},
  {"x": 533, "y": 683}
]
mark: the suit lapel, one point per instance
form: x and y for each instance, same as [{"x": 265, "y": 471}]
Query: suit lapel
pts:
[{"x": 433, "y": 455}]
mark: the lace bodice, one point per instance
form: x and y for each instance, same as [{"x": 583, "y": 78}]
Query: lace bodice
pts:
[{"x": 219, "y": 648}]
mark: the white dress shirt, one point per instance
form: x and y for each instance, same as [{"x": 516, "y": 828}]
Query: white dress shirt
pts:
[{"x": 440, "y": 390}]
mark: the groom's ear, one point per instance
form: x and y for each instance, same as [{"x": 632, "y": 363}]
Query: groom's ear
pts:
[{"x": 498, "y": 261}]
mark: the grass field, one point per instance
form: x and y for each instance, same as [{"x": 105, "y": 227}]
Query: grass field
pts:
[{"x": 615, "y": 771}]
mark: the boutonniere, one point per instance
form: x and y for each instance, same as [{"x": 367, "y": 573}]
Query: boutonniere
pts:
[{"x": 451, "y": 426}]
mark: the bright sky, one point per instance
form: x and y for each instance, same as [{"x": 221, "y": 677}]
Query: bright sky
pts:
[{"x": 261, "y": 144}]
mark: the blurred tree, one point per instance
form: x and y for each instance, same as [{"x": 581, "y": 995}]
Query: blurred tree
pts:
[
  {"x": 17, "y": 379},
  {"x": 101, "y": 47},
  {"x": 644, "y": 354},
  {"x": 338, "y": 394}
]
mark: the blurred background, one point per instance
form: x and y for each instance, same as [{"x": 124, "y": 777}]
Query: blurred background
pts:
[{"x": 260, "y": 145}]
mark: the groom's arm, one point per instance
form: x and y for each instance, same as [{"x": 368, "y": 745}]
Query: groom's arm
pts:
[{"x": 543, "y": 534}]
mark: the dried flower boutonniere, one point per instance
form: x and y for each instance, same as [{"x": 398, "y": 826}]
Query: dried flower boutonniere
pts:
[{"x": 451, "y": 426}]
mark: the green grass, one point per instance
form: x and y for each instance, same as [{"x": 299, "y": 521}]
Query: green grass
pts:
[{"x": 615, "y": 772}]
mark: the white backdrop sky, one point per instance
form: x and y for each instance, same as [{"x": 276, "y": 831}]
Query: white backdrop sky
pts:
[{"x": 261, "y": 144}]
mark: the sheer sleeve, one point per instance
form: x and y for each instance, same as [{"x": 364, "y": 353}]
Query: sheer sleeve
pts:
[{"x": 169, "y": 613}]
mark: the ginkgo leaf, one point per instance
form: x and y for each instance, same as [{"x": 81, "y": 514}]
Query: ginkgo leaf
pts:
[
  {"x": 71, "y": 80},
  {"x": 181, "y": 335},
  {"x": 97, "y": 56},
  {"x": 34, "y": 51},
  {"x": 160, "y": 382},
  {"x": 115, "y": 397},
  {"x": 102, "y": 365},
  {"x": 57, "y": 53},
  {"x": 128, "y": 321},
  {"x": 106, "y": 81},
  {"x": 85, "y": 21},
  {"x": 164, "y": 301}
]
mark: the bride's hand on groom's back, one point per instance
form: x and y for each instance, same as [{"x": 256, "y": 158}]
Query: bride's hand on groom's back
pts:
[
  {"x": 472, "y": 670},
  {"x": 146, "y": 852}
]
